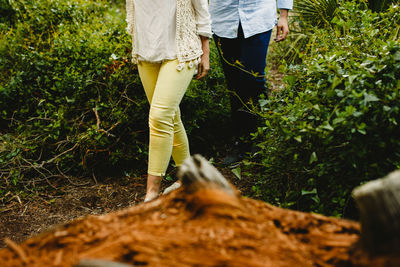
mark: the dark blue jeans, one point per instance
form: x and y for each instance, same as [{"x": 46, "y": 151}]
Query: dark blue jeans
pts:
[{"x": 251, "y": 53}]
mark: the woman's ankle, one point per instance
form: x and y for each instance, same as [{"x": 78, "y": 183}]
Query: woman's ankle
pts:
[{"x": 153, "y": 187}]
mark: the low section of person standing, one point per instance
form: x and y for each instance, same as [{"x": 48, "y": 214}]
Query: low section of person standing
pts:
[
  {"x": 170, "y": 41},
  {"x": 242, "y": 31}
]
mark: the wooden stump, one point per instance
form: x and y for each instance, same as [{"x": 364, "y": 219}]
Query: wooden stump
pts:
[{"x": 379, "y": 205}]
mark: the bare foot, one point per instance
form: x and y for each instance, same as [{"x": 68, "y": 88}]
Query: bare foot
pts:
[
  {"x": 153, "y": 187},
  {"x": 150, "y": 197}
]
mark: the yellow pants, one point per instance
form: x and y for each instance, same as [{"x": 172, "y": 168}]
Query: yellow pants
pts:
[{"x": 165, "y": 87}]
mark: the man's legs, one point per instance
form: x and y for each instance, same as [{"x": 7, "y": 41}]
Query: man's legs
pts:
[
  {"x": 229, "y": 51},
  {"x": 246, "y": 79},
  {"x": 253, "y": 56}
]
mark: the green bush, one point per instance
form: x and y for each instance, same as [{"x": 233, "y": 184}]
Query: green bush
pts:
[
  {"x": 310, "y": 13},
  {"x": 6, "y": 12},
  {"x": 336, "y": 123},
  {"x": 71, "y": 103},
  {"x": 380, "y": 5},
  {"x": 317, "y": 13},
  {"x": 68, "y": 89}
]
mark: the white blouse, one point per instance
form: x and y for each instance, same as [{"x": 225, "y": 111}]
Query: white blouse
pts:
[{"x": 155, "y": 27}]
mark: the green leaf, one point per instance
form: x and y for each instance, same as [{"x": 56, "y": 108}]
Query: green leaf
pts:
[
  {"x": 237, "y": 172},
  {"x": 397, "y": 56},
  {"x": 263, "y": 102},
  {"x": 352, "y": 78},
  {"x": 362, "y": 131},
  {"x": 290, "y": 80},
  {"x": 305, "y": 192},
  {"x": 69, "y": 100},
  {"x": 338, "y": 120},
  {"x": 370, "y": 98},
  {"x": 336, "y": 82},
  {"x": 328, "y": 127},
  {"x": 313, "y": 157},
  {"x": 316, "y": 199}
]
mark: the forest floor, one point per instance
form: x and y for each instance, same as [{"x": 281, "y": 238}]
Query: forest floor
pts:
[{"x": 24, "y": 218}]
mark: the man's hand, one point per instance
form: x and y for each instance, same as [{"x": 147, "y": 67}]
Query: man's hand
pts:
[
  {"x": 204, "y": 65},
  {"x": 282, "y": 29}
]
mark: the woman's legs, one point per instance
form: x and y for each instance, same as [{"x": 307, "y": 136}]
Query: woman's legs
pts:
[
  {"x": 180, "y": 148},
  {"x": 164, "y": 86}
]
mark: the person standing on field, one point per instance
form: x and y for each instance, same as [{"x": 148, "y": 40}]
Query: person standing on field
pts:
[
  {"x": 170, "y": 41},
  {"x": 242, "y": 31}
]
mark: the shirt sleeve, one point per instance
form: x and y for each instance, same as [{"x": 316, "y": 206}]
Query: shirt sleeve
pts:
[
  {"x": 285, "y": 4},
  {"x": 203, "y": 19}
]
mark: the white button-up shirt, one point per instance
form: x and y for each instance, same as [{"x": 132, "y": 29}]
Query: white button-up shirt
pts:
[{"x": 255, "y": 16}]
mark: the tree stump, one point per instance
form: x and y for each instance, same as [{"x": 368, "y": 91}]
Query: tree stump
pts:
[{"x": 379, "y": 205}]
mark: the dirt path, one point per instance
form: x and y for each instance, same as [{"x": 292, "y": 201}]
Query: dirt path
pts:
[{"x": 23, "y": 219}]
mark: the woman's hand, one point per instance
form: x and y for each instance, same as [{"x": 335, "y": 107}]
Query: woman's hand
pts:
[{"x": 204, "y": 65}]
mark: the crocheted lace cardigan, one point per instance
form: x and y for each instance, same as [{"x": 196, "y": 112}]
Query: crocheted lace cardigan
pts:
[{"x": 187, "y": 40}]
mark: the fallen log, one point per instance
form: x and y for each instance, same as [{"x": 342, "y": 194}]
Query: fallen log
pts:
[{"x": 204, "y": 223}]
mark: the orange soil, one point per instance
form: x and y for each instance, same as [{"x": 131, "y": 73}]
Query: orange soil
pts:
[{"x": 207, "y": 228}]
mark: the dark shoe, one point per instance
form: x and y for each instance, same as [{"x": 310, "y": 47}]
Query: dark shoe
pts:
[{"x": 232, "y": 157}]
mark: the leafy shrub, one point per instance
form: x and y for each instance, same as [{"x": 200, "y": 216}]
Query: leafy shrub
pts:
[
  {"x": 336, "y": 124},
  {"x": 71, "y": 103},
  {"x": 310, "y": 13},
  {"x": 316, "y": 13},
  {"x": 380, "y": 5},
  {"x": 6, "y": 12},
  {"x": 70, "y": 84}
]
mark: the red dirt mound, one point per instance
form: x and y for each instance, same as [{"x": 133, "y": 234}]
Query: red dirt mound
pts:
[{"x": 208, "y": 227}]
